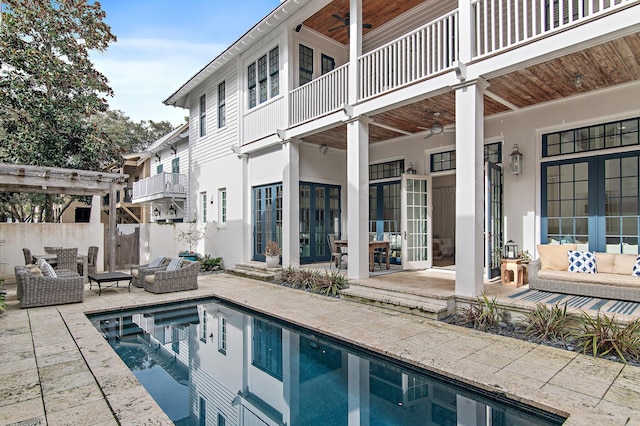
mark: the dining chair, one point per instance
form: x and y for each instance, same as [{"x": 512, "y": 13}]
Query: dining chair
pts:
[
  {"x": 336, "y": 252},
  {"x": 51, "y": 250},
  {"x": 67, "y": 258},
  {"x": 28, "y": 258},
  {"x": 92, "y": 260}
]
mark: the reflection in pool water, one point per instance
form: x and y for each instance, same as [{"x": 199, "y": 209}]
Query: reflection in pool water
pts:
[{"x": 208, "y": 362}]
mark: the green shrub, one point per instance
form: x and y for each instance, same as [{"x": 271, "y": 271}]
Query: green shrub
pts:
[
  {"x": 603, "y": 335},
  {"x": 208, "y": 263},
  {"x": 331, "y": 283},
  {"x": 549, "y": 322},
  {"x": 484, "y": 313}
]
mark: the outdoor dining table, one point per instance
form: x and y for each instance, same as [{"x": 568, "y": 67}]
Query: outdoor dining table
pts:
[
  {"x": 373, "y": 246},
  {"x": 52, "y": 260}
]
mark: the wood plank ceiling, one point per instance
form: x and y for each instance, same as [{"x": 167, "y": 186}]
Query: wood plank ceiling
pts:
[{"x": 609, "y": 64}]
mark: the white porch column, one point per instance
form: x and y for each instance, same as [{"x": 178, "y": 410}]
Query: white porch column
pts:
[
  {"x": 291, "y": 204},
  {"x": 469, "y": 188},
  {"x": 355, "y": 49},
  {"x": 358, "y": 198}
]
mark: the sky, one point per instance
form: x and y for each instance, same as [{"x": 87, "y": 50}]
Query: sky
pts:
[{"x": 161, "y": 44}]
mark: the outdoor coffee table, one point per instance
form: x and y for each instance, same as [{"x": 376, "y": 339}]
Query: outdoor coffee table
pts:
[{"x": 109, "y": 277}]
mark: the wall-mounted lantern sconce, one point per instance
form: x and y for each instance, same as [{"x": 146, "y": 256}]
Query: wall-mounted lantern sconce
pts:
[
  {"x": 515, "y": 160},
  {"x": 174, "y": 150},
  {"x": 172, "y": 211},
  {"x": 156, "y": 212},
  {"x": 324, "y": 149},
  {"x": 157, "y": 157},
  {"x": 411, "y": 170},
  {"x": 298, "y": 28}
]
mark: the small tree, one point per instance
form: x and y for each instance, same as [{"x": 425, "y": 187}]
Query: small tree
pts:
[{"x": 191, "y": 235}]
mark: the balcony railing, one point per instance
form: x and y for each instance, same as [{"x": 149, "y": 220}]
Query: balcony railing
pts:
[
  {"x": 502, "y": 24},
  {"x": 426, "y": 51},
  {"x": 163, "y": 185},
  {"x": 319, "y": 97}
]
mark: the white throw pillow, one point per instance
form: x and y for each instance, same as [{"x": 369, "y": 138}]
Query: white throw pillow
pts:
[
  {"x": 636, "y": 268},
  {"x": 156, "y": 261},
  {"x": 47, "y": 270},
  {"x": 175, "y": 263},
  {"x": 582, "y": 261}
]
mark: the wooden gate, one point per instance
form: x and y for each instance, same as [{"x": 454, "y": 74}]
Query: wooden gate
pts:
[{"x": 127, "y": 249}]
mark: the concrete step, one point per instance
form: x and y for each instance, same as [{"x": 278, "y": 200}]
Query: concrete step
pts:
[
  {"x": 252, "y": 273},
  {"x": 397, "y": 302},
  {"x": 256, "y": 266}
]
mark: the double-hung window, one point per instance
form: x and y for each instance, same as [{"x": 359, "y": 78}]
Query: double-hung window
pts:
[
  {"x": 203, "y": 115},
  {"x": 222, "y": 205},
  {"x": 263, "y": 78},
  {"x": 306, "y": 64},
  {"x": 222, "y": 113}
]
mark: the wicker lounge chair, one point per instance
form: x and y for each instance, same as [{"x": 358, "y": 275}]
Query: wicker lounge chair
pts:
[
  {"x": 138, "y": 272},
  {"x": 38, "y": 290},
  {"x": 185, "y": 277}
]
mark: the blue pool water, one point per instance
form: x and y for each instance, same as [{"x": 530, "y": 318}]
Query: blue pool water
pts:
[{"x": 211, "y": 363}]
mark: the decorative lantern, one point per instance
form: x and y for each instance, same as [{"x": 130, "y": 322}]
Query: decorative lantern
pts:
[
  {"x": 515, "y": 160},
  {"x": 510, "y": 250},
  {"x": 411, "y": 170}
]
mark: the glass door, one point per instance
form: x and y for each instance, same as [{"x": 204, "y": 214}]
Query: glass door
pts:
[
  {"x": 416, "y": 222},
  {"x": 319, "y": 216},
  {"x": 493, "y": 219},
  {"x": 267, "y": 218}
]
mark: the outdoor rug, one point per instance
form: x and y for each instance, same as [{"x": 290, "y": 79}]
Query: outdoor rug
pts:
[{"x": 580, "y": 302}]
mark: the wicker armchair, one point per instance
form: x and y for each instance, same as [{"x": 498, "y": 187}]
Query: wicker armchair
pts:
[
  {"x": 139, "y": 272},
  {"x": 37, "y": 290},
  {"x": 183, "y": 278}
]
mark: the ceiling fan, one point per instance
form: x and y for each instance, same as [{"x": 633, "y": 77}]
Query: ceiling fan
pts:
[
  {"x": 345, "y": 22},
  {"x": 436, "y": 128}
]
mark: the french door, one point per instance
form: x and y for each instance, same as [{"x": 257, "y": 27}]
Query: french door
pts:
[
  {"x": 416, "y": 222},
  {"x": 319, "y": 216},
  {"x": 493, "y": 219},
  {"x": 267, "y": 218}
]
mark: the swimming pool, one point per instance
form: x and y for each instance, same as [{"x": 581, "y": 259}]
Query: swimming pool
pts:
[{"x": 210, "y": 362}]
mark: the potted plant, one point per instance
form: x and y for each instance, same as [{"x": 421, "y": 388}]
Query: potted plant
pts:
[
  {"x": 191, "y": 236},
  {"x": 272, "y": 254}
]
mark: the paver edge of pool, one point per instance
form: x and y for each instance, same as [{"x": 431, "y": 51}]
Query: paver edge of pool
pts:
[{"x": 532, "y": 408}]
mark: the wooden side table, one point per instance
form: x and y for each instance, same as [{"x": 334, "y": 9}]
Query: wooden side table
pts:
[{"x": 513, "y": 273}]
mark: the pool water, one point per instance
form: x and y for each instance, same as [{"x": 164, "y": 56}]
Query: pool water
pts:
[{"x": 212, "y": 363}]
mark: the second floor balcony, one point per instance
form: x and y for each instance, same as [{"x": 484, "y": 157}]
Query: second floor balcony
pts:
[
  {"x": 463, "y": 31},
  {"x": 160, "y": 186}
]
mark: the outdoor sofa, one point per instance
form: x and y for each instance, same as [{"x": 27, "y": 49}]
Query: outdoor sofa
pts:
[
  {"x": 36, "y": 289},
  {"x": 182, "y": 276},
  {"x": 611, "y": 277}
]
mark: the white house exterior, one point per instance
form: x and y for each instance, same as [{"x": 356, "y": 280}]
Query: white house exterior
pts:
[{"x": 308, "y": 123}]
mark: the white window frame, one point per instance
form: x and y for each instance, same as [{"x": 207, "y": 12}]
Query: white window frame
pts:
[{"x": 222, "y": 206}]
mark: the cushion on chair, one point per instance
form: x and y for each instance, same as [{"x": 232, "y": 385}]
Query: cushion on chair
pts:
[
  {"x": 554, "y": 256},
  {"x": 624, "y": 263},
  {"x": 175, "y": 264},
  {"x": 156, "y": 261},
  {"x": 47, "y": 270},
  {"x": 582, "y": 261},
  {"x": 636, "y": 268},
  {"x": 604, "y": 262},
  {"x": 33, "y": 269}
]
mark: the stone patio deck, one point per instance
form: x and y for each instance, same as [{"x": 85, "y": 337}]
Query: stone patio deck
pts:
[{"x": 58, "y": 369}]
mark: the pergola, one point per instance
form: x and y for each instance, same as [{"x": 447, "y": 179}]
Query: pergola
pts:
[{"x": 53, "y": 180}]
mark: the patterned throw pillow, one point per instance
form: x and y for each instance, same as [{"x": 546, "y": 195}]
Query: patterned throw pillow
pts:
[
  {"x": 175, "y": 263},
  {"x": 156, "y": 261},
  {"x": 582, "y": 261},
  {"x": 47, "y": 270},
  {"x": 636, "y": 268}
]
